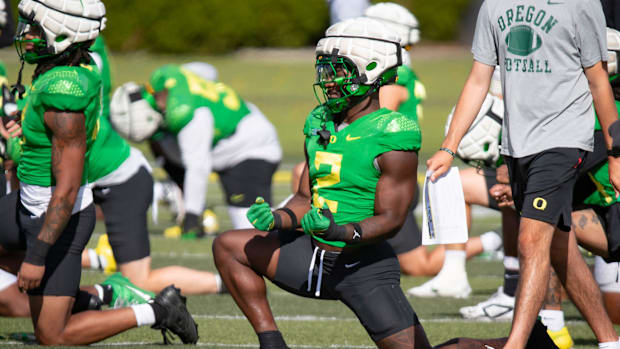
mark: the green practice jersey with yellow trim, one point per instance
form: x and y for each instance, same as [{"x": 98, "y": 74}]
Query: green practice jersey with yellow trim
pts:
[
  {"x": 342, "y": 172},
  {"x": 187, "y": 92},
  {"x": 412, "y": 107},
  {"x": 76, "y": 89}
]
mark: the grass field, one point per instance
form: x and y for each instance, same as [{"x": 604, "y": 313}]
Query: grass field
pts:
[{"x": 280, "y": 83}]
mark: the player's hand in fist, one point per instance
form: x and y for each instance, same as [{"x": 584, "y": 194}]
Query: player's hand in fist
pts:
[{"x": 260, "y": 215}]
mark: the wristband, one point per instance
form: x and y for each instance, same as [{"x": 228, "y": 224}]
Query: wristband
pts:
[
  {"x": 36, "y": 252},
  {"x": 291, "y": 215},
  {"x": 357, "y": 233},
  {"x": 614, "y": 152},
  {"x": 448, "y": 151}
]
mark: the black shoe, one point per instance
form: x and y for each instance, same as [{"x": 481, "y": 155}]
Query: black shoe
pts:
[{"x": 178, "y": 319}]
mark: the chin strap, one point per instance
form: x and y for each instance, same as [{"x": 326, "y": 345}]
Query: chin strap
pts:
[{"x": 18, "y": 87}]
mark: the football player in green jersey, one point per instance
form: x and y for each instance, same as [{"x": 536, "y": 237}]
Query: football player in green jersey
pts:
[
  {"x": 355, "y": 191},
  {"x": 215, "y": 130},
  {"x": 53, "y": 215}
]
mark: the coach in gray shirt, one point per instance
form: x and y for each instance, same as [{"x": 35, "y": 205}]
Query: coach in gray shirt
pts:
[{"x": 552, "y": 55}]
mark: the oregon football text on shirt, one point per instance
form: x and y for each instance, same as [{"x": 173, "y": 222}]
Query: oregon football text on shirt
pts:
[{"x": 342, "y": 172}]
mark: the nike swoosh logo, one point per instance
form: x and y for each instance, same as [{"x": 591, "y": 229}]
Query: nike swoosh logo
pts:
[
  {"x": 144, "y": 296},
  {"x": 349, "y": 138},
  {"x": 549, "y": 2},
  {"x": 349, "y": 266},
  {"x": 488, "y": 347}
]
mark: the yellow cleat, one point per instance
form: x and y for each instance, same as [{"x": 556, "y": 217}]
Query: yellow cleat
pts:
[
  {"x": 105, "y": 254},
  {"x": 209, "y": 222},
  {"x": 561, "y": 338},
  {"x": 173, "y": 232}
]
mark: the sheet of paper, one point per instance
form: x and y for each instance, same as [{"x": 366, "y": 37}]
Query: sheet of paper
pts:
[{"x": 444, "y": 220}]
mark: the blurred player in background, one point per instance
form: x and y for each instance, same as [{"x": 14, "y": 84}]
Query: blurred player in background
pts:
[{"x": 215, "y": 130}]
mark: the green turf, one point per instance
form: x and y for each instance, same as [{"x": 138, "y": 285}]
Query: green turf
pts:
[{"x": 282, "y": 88}]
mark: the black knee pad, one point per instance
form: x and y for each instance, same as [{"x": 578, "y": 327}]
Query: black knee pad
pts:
[{"x": 85, "y": 301}]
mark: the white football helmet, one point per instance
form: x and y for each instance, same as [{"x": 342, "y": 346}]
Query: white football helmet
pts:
[
  {"x": 613, "y": 51},
  {"x": 363, "y": 41},
  {"x": 64, "y": 22},
  {"x": 133, "y": 112},
  {"x": 397, "y": 18},
  {"x": 481, "y": 142}
]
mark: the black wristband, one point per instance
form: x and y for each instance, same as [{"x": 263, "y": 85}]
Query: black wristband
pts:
[
  {"x": 277, "y": 221},
  {"x": 291, "y": 215},
  {"x": 448, "y": 151},
  {"x": 357, "y": 233},
  {"x": 615, "y": 152},
  {"x": 37, "y": 252}
]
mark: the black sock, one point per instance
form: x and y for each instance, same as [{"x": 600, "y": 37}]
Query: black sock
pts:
[
  {"x": 271, "y": 340},
  {"x": 511, "y": 279},
  {"x": 160, "y": 312},
  {"x": 85, "y": 301},
  {"x": 108, "y": 292}
]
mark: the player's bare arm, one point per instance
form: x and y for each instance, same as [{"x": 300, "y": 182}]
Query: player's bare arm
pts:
[
  {"x": 68, "y": 149},
  {"x": 606, "y": 112},
  {"x": 469, "y": 103},
  {"x": 392, "y": 96}
]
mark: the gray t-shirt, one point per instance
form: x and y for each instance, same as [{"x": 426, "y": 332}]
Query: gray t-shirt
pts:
[{"x": 542, "y": 47}]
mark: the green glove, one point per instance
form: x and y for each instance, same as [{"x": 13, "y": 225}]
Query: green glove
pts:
[
  {"x": 314, "y": 222},
  {"x": 260, "y": 215}
]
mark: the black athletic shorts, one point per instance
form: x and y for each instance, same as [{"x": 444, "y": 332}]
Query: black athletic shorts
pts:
[
  {"x": 124, "y": 209},
  {"x": 11, "y": 238},
  {"x": 366, "y": 279},
  {"x": 409, "y": 237},
  {"x": 245, "y": 181},
  {"x": 542, "y": 184},
  {"x": 63, "y": 265}
]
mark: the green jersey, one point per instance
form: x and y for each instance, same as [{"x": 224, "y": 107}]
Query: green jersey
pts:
[
  {"x": 99, "y": 47},
  {"x": 604, "y": 194},
  {"x": 65, "y": 88},
  {"x": 187, "y": 92},
  {"x": 109, "y": 149},
  {"x": 412, "y": 107},
  {"x": 342, "y": 172}
]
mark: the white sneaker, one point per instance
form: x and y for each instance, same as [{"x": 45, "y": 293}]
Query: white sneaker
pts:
[
  {"x": 499, "y": 307},
  {"x": 442, "y": 287}
]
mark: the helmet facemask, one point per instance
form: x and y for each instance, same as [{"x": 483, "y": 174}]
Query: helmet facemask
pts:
[
  {"x": 338, "y": 84},
  {"x": 40, "y": 52}
]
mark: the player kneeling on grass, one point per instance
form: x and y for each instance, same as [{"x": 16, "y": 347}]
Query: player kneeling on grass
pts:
[
  {"x": 53, "y": 216},
  {"x": 355, "y": 191}
]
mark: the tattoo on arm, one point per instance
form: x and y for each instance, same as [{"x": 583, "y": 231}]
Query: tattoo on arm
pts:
[{"x": 68, "y": 149}]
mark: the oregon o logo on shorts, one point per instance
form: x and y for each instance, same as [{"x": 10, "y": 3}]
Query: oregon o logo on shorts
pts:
[{"x": 540, "y": 204}]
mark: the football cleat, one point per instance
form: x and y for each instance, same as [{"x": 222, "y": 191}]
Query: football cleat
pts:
[
  {"x": 561, "y": 338},
  {"x": 178, "y": 320},
  {"x": 442, "y": 287},
  {"x": 210, "y": 224},
  {"x": 499, "y": 307},
  {"x": 173, "y": 232},
  {"x": 105, "y": 254},
  {"x": 124, "y": 293}
]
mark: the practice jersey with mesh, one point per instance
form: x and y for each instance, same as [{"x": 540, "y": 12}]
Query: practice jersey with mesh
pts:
[
  {"x": 76, "y": 89},
  {"x": 342, "y": 172},
  {"x": 187, "y": 92},
  {"x": 412, "y": 107}
]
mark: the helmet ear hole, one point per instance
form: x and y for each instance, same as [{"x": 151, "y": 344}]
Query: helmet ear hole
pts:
[{"x": 371, "y": 66}]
